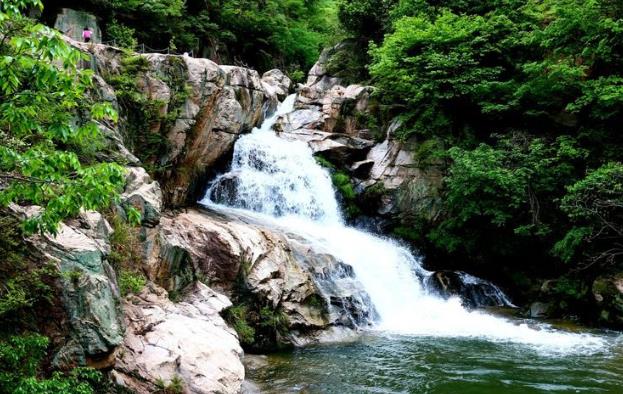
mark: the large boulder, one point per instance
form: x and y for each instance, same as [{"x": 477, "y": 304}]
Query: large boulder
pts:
[
  {"x": 186, "y": 341},
  {"x": 202, "y": 109},
  {"x": 88, "y": 288},
  {"x": 277, "y": 83},
  {"x": 608, "y": 297},
  {"x": 282, "y": 272},
  {"x": 473, "y": 291}
]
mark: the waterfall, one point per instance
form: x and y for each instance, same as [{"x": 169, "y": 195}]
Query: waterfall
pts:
[{"x": 280, "y": 181}]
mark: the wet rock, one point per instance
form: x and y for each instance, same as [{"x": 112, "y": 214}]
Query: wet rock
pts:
[
  {"x": 187, "y": 340},
  {"x": 474, "y": 292},
  {"x": 608, "y": 296},
  {"x": 539, "y": 309}
]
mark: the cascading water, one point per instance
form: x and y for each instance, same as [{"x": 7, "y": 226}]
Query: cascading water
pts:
[{"x": 281, "y": 182}]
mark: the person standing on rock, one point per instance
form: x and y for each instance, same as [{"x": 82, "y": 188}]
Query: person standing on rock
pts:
[{"x": 86, "y": 34}]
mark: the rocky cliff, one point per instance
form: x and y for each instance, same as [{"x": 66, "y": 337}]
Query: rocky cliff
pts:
[{"x": 194, "y": 263}]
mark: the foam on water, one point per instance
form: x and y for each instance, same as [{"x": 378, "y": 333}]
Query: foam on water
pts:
[{"x": 280, "y": 183}]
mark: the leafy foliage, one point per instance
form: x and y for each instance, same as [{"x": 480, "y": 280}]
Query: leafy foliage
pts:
[
  {"x": 237, "y": 317},
  {"x": 46, "y": 115},
  {"x": 519, "y": 103},
  {"x": 122, "y": 36},
  {"x": 20, "y": 358},
  {"x": 131, "y": 282},
  {"x": 26, "y": 285},
  {"x": 365, "y": 19},
  {"x": 594, "y": 205},
  {"x": 288, "y": 34}
]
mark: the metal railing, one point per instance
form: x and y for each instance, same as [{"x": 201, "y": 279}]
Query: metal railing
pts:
[{"x": 142, "y": 48}]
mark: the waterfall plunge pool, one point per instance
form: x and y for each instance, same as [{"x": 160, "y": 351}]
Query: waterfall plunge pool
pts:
[{"x": 442, "y": 365}]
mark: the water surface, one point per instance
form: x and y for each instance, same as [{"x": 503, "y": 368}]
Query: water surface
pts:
[{"x": 403, "y": 364}]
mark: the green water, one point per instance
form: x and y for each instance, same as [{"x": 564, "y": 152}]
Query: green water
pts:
[{"x": 377, "y": 364}]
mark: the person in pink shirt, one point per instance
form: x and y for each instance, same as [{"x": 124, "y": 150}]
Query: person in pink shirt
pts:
[{"x": 86, "y": 34}]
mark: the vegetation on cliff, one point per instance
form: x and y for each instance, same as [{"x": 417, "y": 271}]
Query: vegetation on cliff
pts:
[
  {"x": 522, "y": 104},
  {"x": 267, "y": 34},
  {"x": 48, "y": 134},
  {"x": 48, "y": 142}
]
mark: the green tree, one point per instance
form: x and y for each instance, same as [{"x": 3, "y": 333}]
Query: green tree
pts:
[
  {"x": 446, "y": 70},
  {"x": 366, "y": 19},
  {"x": 47, "y": 123},
  {"x": 504, "y": 192},
  {"x": 594, "y": 205}
]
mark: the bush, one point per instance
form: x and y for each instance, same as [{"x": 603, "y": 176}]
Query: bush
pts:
[
  {"x": 175, "y": 386},
  {"x": 126, "y": 248},
  {"x": 25, "y": 283},
  {"x": 20, "y": 358},
  {"x": 595, "y": 207},
  {"x": 123, "y": 36},
  {"x": 237, "y": 317},
  {"x": 131, "y": 282}
]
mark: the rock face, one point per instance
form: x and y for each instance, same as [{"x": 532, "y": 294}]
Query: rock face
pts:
[
  {"x": 143, "y": 194},
  {"x": 89, "y": 290},
  {"x": 280, "y": 271},
  {"x": 203, "y": 108},
  {"x": 608, "y": 296},
  {"x": 339, "y": 123},
  {"x": 187, "y": 340},
  {"x": 72, "y": 22}
]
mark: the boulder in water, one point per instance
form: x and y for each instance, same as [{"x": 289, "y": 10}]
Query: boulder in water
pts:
[{"x": 474, "y": 292}]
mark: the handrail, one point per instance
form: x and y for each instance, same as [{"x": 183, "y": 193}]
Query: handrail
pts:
[{"x": 142, "y": 48}]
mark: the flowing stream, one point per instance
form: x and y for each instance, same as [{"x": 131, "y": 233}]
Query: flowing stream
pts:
[{"x": 279, "y": 182}]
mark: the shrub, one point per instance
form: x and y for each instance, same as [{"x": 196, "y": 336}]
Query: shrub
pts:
[
  {"x": 237, "y": 317},
  {"x": 123, "y": 36},
  {"x": 20, "y": 359},
  {"x": 131, "y": 282}
]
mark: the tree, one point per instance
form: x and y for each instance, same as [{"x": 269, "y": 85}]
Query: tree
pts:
[
  {"x": 365, "y": 19},
  {"x": 506, "y": 192},
  {"x": 47, "y": 124},
  {"x": 446, "y": 70},
  {"x": 595, "y": 207}
]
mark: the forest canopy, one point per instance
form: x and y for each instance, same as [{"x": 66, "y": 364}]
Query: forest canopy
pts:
[
  {"x": 523, "y": 104},
  {"x": 288, "y": 34}
]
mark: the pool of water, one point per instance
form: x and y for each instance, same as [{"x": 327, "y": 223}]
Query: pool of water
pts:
[{"x": 401, "y": 364}]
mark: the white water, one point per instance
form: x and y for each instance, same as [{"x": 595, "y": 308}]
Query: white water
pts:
[{"x": 280, "y": 181}]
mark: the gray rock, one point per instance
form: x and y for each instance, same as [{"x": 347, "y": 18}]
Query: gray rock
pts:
[
  {"x": 281, "y": 270},
  {"x": 539, "y": 310},
  {"x": 72, "y": 22},
  {"x": 187, "y": 340},
  {"x": 144, "y": 194},
  {"x": 277, "y": 83}
]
